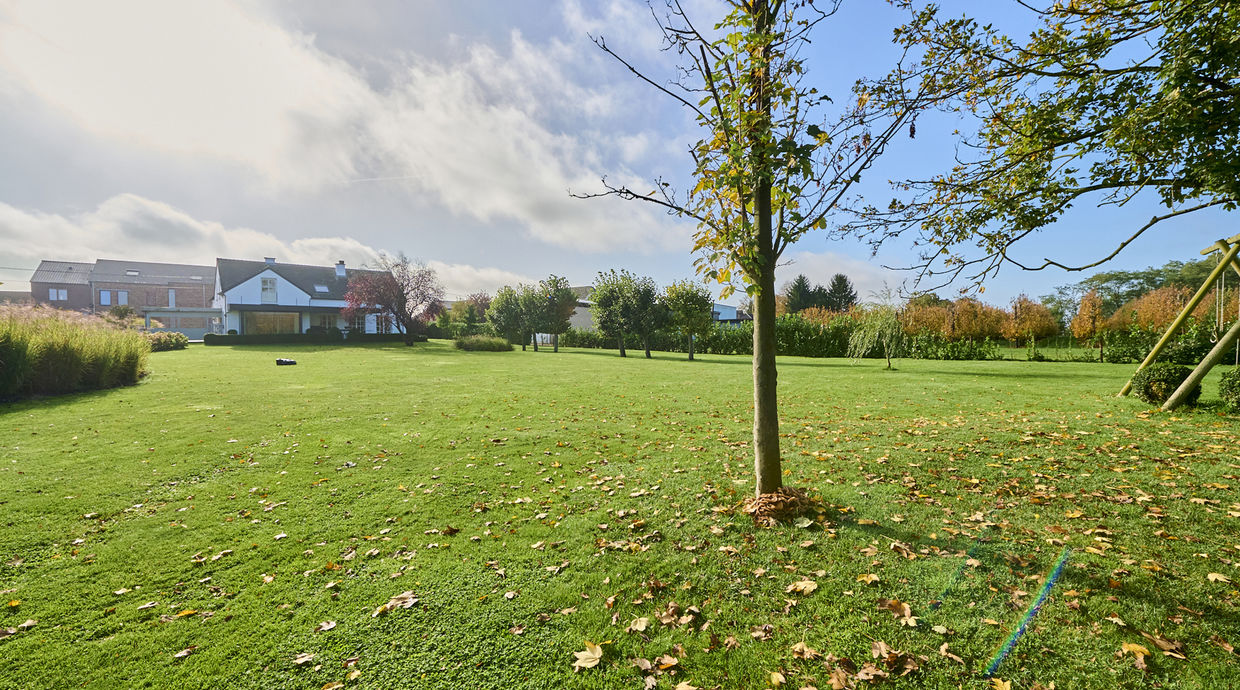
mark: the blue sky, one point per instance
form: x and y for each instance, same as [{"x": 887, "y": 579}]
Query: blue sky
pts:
[{"x": 452, "y": 131}]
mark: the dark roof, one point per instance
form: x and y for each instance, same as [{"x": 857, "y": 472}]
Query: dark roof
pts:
[
  {"x": 66, "y": 272},
  {"x": 145, "y": 273},
  {"x": 233, "y": 272}
]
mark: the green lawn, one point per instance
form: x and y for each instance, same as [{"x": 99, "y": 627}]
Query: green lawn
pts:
[{"x": 534, "y": 501}]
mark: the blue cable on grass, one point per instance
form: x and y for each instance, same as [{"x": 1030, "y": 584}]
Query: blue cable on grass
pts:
[{"x": 1032, "y": 611}]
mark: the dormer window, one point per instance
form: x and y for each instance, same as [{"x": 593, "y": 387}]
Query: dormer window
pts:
[{"x": 320, "y": 288}]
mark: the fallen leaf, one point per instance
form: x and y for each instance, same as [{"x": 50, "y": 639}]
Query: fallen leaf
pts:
[
  {"x": 303, "y": 658},
  {"x": 148, "y": 605},
  {"x": 280, "y": 536},
  {"x": 868, "y": 578},
  {"x": 1137, "y": 651},
  {"x": 777, "y": 679},
  {"x": 802, "y": 586},
  {"x": 589, "y": 658},
  {"x": 944, "y": 653},
  {"x": 685, "y": 685},
  {"x": 334, "y": 685},
  {"x": 1218, "y": 577},
  {"x": 801, "y": 651},
  {"x": 403, "y": 600},
  {"x": 638, "y": 624},
  {"x": 324, "y": 626},
  {"x": 185, "y": 652},
  {"x": 996, "y": 684}
]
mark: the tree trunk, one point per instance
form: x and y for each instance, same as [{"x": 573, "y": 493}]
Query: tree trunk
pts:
[
  {"x": 555, "y": 342},
  {"x": 535, "y": 338},
  {"x": 622, "y": 346},
  {"x": 646, "y": 344},
  {"x": 767, "y": 472},
  {"x": 765, "y": 413},
  {"x": 690, "y": 348}
]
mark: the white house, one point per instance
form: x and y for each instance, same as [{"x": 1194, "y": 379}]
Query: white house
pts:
[{"x": 268, "y": 297}]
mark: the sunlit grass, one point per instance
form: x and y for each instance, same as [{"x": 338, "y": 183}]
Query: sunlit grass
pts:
[{"x": 598, "y": 490}]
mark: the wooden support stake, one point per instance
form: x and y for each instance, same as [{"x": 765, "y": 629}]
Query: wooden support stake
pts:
[
  {"x": 1228, "y": 260},
  {"x": 1194, "y": 379}
]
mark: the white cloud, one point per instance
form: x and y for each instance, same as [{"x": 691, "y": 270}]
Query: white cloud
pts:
[
  {"x": 867, "y": 278},
  {"x": 197, "y": 79},
  {"x": 128, "y": 226},
  {"x": 461, "y": 280},
  {"x": 494, "y": 135}
]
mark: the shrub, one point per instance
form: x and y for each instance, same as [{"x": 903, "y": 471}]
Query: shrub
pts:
[
  {"x": 1155, "y": 383},
  {"x": 1229, "y": 390},
  {"x": 484, "y": 343},
  {"x": 162, "y": 341},
  {"x": 49, "y": 351}
]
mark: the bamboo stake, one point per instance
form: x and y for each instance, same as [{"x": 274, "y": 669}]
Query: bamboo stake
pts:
[
  {"x": 1194, "y": 379},
  {"x": 1228, "y": 260}
]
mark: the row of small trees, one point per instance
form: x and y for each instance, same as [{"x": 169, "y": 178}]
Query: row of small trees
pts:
[{"x": 623, "y": 304}]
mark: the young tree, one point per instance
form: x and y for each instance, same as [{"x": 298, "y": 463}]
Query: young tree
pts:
[
  {"x": 1102, "y": 102},
  {"x": 561, "y": 303},
  {"x": 1087, "y": 324},
  {"x": 690, "y": 308},
  {"x": 649, "y": 313},
  {"x": 798, "y": 295},
  {"x": 405, "y": 290},
  {"x": 1029, "y": 320},
  {"x": 878, "y": 325},
  {"x": 505, "y": 316},
  {"x": 535, "y": 313},
  {"x": 766, "y": 172},
  {"x": 613, "y": 307},
  {"x": 840, "y": 295}
]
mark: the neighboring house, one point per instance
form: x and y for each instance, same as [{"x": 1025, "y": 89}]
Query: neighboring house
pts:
[
  {"x": 170, "y": 297},
  {"x": 62, "y": 284},
  {"x": 256, "y": 297},
  {"x": 582, "y": 319},
  {"x": 15, "y": 298}
]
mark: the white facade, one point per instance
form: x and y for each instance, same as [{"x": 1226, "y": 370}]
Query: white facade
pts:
[{"x": 270, "y": 289}]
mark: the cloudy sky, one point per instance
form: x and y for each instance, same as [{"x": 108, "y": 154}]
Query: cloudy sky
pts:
[{"x": 454, "y": 132}]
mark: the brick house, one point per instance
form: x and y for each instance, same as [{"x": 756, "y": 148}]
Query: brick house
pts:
[
  {"x": 62, "y": 284},
  {"x": 175, "y": 297}
]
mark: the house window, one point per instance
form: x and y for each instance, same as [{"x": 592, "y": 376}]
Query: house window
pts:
[
  {"x": 383, "y": 323},
  {"x": 57, "y": 295},
  {"x": 359, "y": 322},
  {"x": 105, "y": 298},
  {"x": 122, "y": 297},
  {"x": 256, "y": 322},
  {"x": 269, "y": 290},
  {"x": 324, "y": 320},
  {"x": 172, "y": 297}
]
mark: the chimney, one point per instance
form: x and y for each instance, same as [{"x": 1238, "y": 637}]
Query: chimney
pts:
[
  {"x": 270, "y": 260},
  {"x": 340, "y": 269}
]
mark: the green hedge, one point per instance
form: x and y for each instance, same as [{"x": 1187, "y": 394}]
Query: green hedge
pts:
[
  {"x": 162, "y": 341},
  {"x": 1155, "y": 383},
  {"x": 307, "y": 339},
  {"x": 1229, "y": 390},
  {"x": 482, "y": 343},
  {"x": 48, "y": 351}
]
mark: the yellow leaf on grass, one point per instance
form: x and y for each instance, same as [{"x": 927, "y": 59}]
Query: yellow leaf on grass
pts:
[
  {"x": 802, "y": 586},
  {"x": 868, "y": 578},
  {"x": 1218, "y": 577},
  {"x": 996, "y": 684},
  {"x": 589, "y": 658}
]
